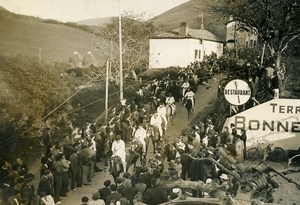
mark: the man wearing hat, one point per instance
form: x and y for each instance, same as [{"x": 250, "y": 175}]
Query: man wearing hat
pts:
[
  {"x": 175, "y": 194},
  {"x": 225, "y": 182}
]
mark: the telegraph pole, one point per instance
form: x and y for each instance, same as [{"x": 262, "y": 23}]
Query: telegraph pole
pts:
[
  {"x": 120, "y": 52},
  {"x": 106, "y": 91},
  {"x": 202, "y": 29}
]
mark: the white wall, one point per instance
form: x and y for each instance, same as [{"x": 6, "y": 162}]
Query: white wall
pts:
[
  {"x": 164, "y": 53},
  {"x": 211, "y": 46}
]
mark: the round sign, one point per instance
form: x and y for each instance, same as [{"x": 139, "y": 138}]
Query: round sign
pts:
[{"x": 237, "y": 92}]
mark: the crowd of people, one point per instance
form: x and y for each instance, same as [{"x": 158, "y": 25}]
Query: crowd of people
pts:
[{"x": 71, "y": 162}]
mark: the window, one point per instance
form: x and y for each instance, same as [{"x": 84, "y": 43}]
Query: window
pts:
[
  {"x": 199, "y": 54},
  {"x": 246, "y": 44},
  {"x": 196, "y": 54},
  {"x": 251, "y": 43},
  {"x": 254, "y": 43}
]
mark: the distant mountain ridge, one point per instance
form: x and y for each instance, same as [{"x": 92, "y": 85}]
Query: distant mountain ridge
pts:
[
  {"x": 190, "y": 12},
  {"x": 26, "y": 35},
  {"x": 95, "y": 21}
]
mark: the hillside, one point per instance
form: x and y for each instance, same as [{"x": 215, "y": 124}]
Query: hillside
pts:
[
  {"x": 190, "y": 12},
  {"x": 25, "y": 35},
  {"x": 95, "y": 21}
]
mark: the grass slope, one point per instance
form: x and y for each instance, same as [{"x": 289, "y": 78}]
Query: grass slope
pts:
[
  {"x": 190, "y": 12},
  {"x": 21, "y": 34}
]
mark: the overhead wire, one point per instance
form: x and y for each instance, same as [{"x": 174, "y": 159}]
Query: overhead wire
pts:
[
  {"x": 132, "y": 87},
  {"x": 70, "y": 97},
  {"x": 97, "y": 76}
]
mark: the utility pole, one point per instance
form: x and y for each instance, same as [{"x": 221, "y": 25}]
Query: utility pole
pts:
[
  {"x": 235, "y": 39},
  {"x": 120, "y": 52},
  {"x": 106, "y": 91},
  {"x": 263, "y": 54},
  {"x": 202, "y": 30}
]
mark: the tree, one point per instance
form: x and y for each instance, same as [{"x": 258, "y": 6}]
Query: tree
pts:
[
  {"x": 135, "y": 35},
  {"x": 30, "y": 90},
  {"x": 276, "y": 21}
]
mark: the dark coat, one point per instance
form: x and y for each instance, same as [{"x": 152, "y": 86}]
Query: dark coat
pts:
[
  {"x": 44, "y": 186},
  {"x": 113, "y": 196},
  {"x": 129, "y": 193},
  {"x": 155, "y": 195}
]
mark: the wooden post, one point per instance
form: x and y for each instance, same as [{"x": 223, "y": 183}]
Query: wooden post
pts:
[
  {"x": 263, "y": 54},
  {"x": 106, "y": 92},
  {"x": 120, "y": 52}
]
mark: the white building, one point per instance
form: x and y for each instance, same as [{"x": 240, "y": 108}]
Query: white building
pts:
[{"x": 182, "y": 46}]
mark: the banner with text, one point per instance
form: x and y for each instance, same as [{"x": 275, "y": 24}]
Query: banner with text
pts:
[{"x": 276, "y": 121}]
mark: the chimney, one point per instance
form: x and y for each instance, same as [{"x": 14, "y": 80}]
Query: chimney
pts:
[{"x": 183, "y": 29}]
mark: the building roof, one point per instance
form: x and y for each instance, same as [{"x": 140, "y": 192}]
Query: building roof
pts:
[{"x": 192, "y": 33}]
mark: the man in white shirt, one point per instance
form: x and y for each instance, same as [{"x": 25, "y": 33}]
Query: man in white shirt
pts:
[
  {"x": 190, "y": 95},
  {"x": 118, "y": 149},
  {"x": 170, "y": 100},
  {"x": 162, "y": 111},
  {"x": 184, "y": 87},
  {"x": 157, "y": 121},
  {"x": 140, "y": 136}
]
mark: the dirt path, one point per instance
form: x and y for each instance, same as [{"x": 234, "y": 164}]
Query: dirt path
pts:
[
  {"x": 287, "y": 192},
  {"x": 203, "y": 98}
]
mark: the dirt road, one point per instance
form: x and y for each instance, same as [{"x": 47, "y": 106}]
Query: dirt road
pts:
[
  {"x": 203, "y": 98},
  {"x": 287, "y": 193}
]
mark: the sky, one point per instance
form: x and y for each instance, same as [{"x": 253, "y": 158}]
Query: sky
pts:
[{"x": 77, "y": 10}]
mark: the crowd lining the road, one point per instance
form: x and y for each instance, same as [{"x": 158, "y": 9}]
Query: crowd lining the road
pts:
[{"x": 72, "y": 162}]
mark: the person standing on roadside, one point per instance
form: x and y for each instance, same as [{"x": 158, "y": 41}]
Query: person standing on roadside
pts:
[
  {"x": 118, "y": 149},
  {"x": 58, "y": 176},
  {"x": 75, "y": 169},
  {"x": 243, "y": 137},
  {"x": 65, "y": 177},
  {"x": 44, "y": 187}
]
